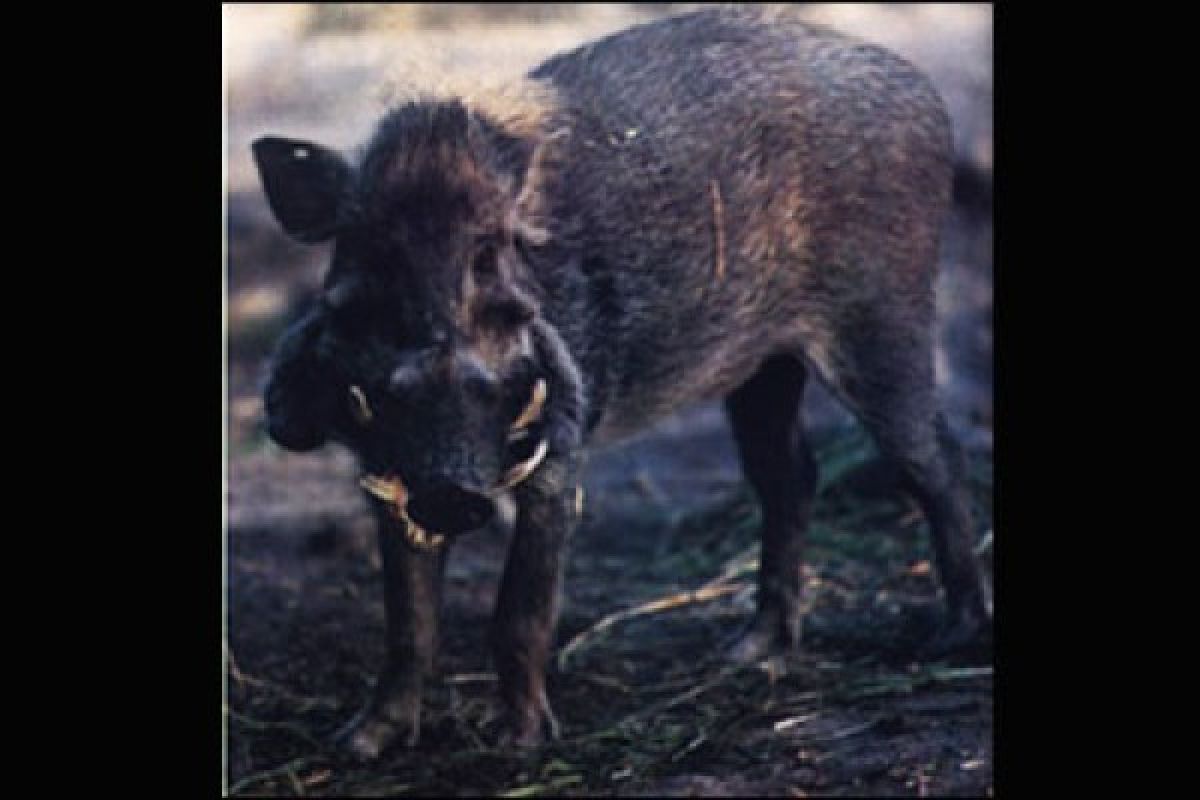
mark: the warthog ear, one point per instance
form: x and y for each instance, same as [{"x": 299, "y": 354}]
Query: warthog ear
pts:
[{"x": 305, "y": 184}]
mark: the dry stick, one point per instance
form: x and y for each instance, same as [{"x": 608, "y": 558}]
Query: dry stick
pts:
[
  {"x": 790, "y": 722},
  {"x": 471, "y": 677},
  {"x": 654, "y": 708},
  {"x": 696, "y": 691},
  {"x": 267, "y": 725},
  {"x": 700, "y": 595},
  {"x": 699, "y": 740},
  {"x": 853, "y": 730},
  {"x": 742, "y": 562},
  {"x": 297, "y": 787},
  {"x": 249, "y": 680},
  {"x": 646, "y": 485},
  {"x": 305, "y": 702},
  {"x": 960, "y": 673},
  {"x": 537, "y": 788},
  {"x": 294, "y": 764},
  {"x": 719, "y": 223},
  {"x": 909, "y": 683},
  {"x": 717, "y": 587},
  {"x": 712, "y": 735},
  {"x": 320, "y": 776},
  {"x": 606, "y": 681}
]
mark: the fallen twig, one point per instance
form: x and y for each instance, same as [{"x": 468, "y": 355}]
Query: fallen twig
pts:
[
  {"x": 538, "y": 788},
  {"x": 646, "y": 485},
  {"x": 606, "y": 681},
  {"x": 297, "y": 787},
  {"x": 701, "y": 595},
  {"x": 274, "y": 772},
  {"x": 305, "y": 702},
  {"x": 853, "y": 730},
  {"x": 690, "y": 746},
  {"x": 694, "y": 692},
  {"x": 743, "y": 562},
  {"x": 266, "y": 725},
  {"x": 320, "y": 776},
  {"x": 904, "y": 683},
  {"x": 791, "y": 722},
  {"x": 960, "y": 673},
  {"x": 471, "y": 677}
]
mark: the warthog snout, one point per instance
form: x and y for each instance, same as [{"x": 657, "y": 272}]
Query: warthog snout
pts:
[{"x": 451, "y": 509}]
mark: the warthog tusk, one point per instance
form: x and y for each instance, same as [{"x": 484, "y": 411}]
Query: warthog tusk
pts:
[
  {"x": 534, "y": 409},
  {"x": 419, "y": 538},
  {"x": 387, "y": 490},
  {"x": 524, "y": 469},
  {"x": 392, "y": 492},
  {"x": 359, "y": 407}
]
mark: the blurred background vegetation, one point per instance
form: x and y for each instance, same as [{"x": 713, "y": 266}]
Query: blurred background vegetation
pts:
[{"x": 355, "y": 17}]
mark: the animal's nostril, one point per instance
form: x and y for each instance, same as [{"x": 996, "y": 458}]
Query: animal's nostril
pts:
[{"x": 451, "y": 509}]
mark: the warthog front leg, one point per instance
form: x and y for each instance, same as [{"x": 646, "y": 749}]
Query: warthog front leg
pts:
[
  {"x": 412, "y": 584},
  {"x": 527, "y": 606}
]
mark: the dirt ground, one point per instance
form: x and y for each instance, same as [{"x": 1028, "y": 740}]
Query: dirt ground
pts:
[{"x": 646, "y": 705}]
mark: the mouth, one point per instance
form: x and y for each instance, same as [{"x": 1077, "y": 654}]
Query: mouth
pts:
[
  {"x": 390, "y": 490},
  {"x": 394, "y": 495}
]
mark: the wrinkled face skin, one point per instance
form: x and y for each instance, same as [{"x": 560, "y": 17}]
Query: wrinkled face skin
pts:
[{"x": 419, "y": 354}]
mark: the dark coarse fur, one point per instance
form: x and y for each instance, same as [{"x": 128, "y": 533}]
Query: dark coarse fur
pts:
[
  {"x": 833, "y": 179},
  {"x": 721, "y": 203}
]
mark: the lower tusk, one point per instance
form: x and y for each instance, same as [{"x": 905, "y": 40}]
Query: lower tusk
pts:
[
  {"x": 390, "y": 491},
  {"x": 524, "y": 469},
  {"x": 419, "y": 538}
]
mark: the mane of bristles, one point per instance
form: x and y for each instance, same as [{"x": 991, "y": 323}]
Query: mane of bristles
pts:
[{"x": 521, "y": 107}]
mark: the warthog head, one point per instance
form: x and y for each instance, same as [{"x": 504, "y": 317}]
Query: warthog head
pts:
[{"x": 420, "y": 354}]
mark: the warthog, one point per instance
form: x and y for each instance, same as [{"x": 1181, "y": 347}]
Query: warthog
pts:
[{"x": 718, "y": 204}]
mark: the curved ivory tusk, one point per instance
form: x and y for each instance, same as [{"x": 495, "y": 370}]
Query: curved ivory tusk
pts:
[
  {"x": 392, "y": 492},
  {"x": 419, "y": 538},
  {"x": 534, "y": 409},
  {"x": 359, "y": 407},
  {"x": 387, "y": 490},
  {"x": 524, "y": 469}
]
